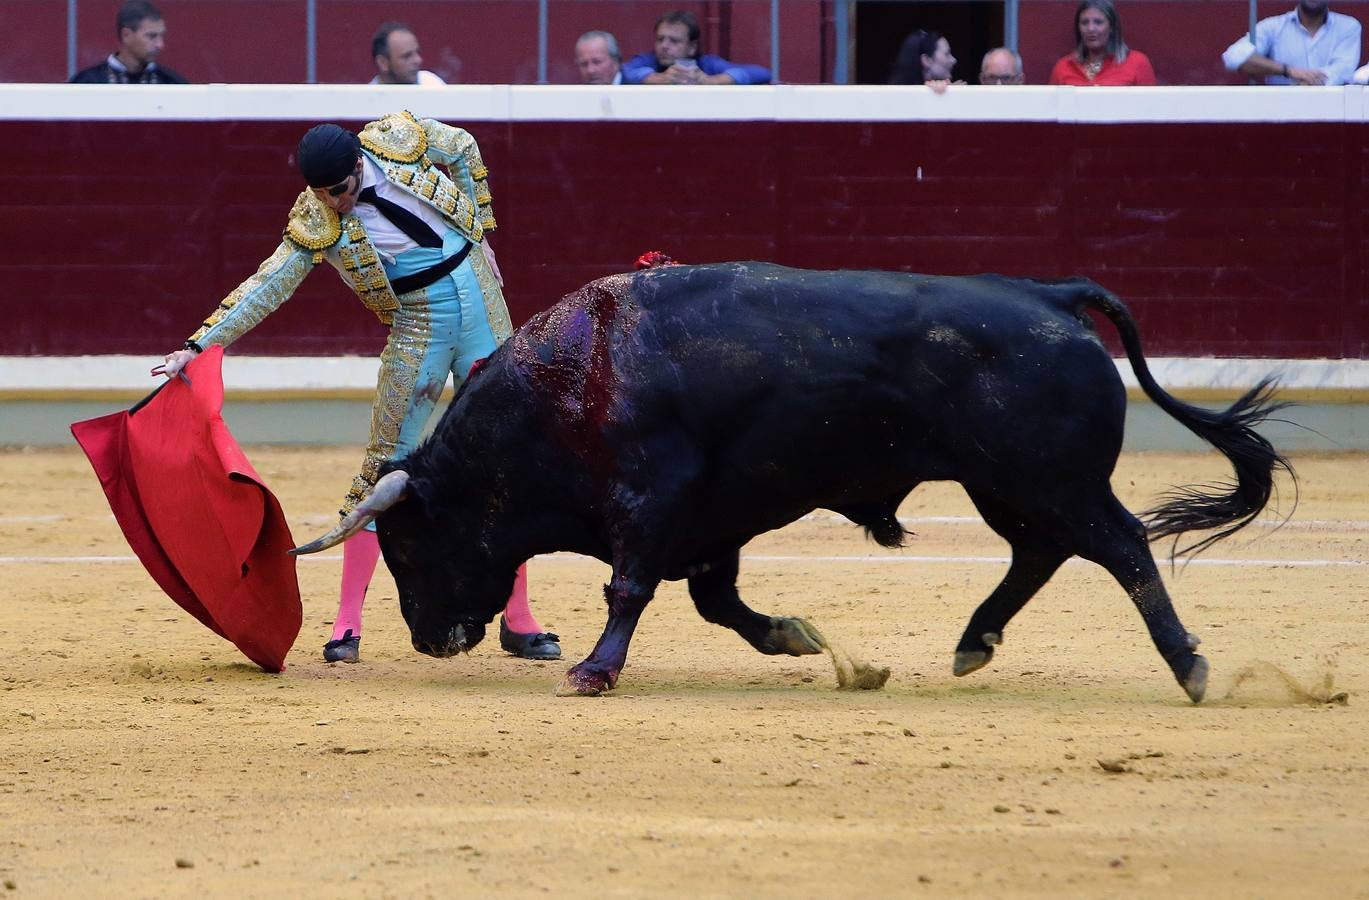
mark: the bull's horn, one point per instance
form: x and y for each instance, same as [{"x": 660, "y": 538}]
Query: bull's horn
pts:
[{"x": 387, "y": 492}]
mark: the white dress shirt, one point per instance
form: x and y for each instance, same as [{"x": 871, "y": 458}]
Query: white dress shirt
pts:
[
  {"x": 1334, "y": 49},
  {"x": 425, "y": 79},
  {"x": 388, "y": 240}
]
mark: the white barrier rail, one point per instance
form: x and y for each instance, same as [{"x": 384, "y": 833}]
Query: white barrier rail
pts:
[{"x": 835, "y": 103}]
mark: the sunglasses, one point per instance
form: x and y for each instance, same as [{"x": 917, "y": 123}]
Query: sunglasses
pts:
[{"x": 340, "y": 188}]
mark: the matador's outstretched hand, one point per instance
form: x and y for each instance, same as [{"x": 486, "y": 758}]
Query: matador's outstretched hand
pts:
[{"x": 174, "y": 362}]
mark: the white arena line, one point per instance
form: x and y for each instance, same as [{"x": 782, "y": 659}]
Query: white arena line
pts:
[
  {"x": 1004, "y": 560},
  {"x": 1312, "y": 524},
  {"x": 973, "y": 560}
]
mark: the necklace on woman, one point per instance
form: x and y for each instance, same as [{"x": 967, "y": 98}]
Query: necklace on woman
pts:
[{"x": 1092, "y": 68}]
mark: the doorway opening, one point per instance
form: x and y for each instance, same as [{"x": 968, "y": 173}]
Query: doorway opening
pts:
[{"x": 972, "y": 29}]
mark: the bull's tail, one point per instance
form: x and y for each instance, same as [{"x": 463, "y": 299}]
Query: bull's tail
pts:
[{"x": 1225, "y": 507}]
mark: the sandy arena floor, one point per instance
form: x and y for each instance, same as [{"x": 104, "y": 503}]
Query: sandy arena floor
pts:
[{"x": 143, "y": 756}]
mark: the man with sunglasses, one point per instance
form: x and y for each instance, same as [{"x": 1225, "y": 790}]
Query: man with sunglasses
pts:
[{"x": 409, "y": 239}]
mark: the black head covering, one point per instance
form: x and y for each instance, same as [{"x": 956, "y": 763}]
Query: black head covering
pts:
[{"x": 327, "y": 154}]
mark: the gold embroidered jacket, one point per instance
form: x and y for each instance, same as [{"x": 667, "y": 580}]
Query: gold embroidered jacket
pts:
[{"x": 408, "y": 150}]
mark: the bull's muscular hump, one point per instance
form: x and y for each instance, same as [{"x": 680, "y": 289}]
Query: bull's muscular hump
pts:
[{"x": 658, "y": 421}]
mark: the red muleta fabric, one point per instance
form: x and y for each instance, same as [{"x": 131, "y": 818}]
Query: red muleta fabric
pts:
[{"x": 196, "y": 513}]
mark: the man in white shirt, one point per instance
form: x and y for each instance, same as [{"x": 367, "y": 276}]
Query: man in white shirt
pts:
[
  {"x": 1310, "y": 45},
  {"x": 395, "y": 51}
]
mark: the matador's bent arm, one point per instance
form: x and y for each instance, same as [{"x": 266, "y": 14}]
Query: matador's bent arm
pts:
[{"x": 456, "y": 149}]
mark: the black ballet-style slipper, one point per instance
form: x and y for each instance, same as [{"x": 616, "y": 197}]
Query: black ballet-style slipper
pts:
[
  {"x": 345, "y": 649},
  {"x": 539, "y": 645}
]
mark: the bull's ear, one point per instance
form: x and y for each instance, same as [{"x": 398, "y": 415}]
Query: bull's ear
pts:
[{"x": 388, "y": 491}]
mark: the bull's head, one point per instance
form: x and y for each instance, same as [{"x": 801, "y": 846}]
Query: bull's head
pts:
[{"x": 449, "y": 588}]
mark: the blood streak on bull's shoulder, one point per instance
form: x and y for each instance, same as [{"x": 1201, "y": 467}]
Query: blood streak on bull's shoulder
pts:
[{"x": 566, "y": 355}]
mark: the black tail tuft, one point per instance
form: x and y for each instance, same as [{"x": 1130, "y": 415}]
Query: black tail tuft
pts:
[
  {"x": 1230, "y": 505},
  {"x": 886, "y": 532},
  {"x": 1226, "y": 507}
]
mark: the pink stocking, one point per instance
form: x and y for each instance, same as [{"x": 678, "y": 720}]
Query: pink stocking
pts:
[
  {"x": 516, "y": 611},
  {"x": 360, "y": 553}
]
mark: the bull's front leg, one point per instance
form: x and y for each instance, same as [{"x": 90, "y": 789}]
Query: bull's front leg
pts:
[{"x": 627, "y": 595}]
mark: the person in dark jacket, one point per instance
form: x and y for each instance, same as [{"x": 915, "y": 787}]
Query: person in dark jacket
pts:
[
  {"x": 923, "y": 58},
  {"x": 142, "y": 35}
]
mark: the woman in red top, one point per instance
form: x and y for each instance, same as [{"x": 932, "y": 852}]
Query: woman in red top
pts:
[{"x": 1100, "y": 55}]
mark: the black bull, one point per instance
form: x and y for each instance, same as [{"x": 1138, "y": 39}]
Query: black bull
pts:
[{"x": 659, "y": 421}]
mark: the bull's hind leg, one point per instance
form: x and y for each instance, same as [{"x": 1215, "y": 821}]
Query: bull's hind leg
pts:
[
  {"x": 714, "y": 590},
  {"x": 1035, "y": 558},
  {"x": 1117, "y": 541}
]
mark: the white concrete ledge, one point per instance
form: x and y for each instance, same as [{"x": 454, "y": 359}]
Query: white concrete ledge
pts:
[
  {"x": 785, "y": 102},
  {"x": 51, "y": 374},
  {"x": 1208, "y": 373}
]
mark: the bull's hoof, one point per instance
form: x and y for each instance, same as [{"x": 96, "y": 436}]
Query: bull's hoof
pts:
[
  {"x": 967, "y": 661},
  {"x": 584, "y": 682},
  {"x": 793, "y": 636},
  {"x": 1195, "y": 682}
]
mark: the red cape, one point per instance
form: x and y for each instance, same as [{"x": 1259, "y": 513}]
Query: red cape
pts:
[{"x": 196, "y": 513}]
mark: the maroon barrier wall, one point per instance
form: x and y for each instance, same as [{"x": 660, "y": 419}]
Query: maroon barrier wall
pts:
[{"x": 1225, "y": 239}]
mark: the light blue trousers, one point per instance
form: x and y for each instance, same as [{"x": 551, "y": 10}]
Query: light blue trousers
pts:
[{"x": 438, "y": 331}]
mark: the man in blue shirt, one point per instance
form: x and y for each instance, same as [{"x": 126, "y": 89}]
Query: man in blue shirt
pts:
[
  {"x": 676, "y": 60},
  {"x": 1310, "y": 45}
]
